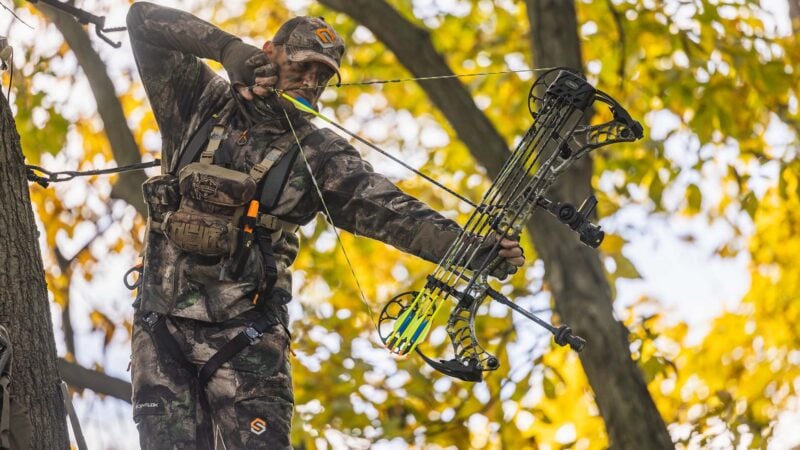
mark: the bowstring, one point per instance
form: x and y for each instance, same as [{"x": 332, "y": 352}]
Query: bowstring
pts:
[
  {"x": 427, "y": 78},
  {"x": 327, "y": 213},
  {"x": 314, "y": 180}
]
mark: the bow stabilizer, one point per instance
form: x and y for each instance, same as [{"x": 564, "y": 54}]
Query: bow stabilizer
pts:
[{"x": 555, "y": 140}]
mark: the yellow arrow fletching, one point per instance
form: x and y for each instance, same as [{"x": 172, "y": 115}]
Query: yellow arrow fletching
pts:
[
  {"x": 300, "y": 105},
  {"x": 414, "y": 323}
]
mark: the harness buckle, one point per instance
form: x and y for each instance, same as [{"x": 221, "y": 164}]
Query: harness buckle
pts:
[
  {"x": 152, "y": 318},
  {"x": 252, "y": 334}
]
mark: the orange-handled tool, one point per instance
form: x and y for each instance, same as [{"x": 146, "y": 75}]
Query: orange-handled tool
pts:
[{"x": 252, "y": 211}]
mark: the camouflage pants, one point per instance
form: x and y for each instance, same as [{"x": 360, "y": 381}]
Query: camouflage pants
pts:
[{"x": 247, "y": 403}]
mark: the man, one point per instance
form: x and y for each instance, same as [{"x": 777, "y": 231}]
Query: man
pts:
[{"x": 210, "y": 338}]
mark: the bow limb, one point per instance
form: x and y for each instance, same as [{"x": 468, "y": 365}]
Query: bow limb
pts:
[
  {"x": 621, "y": 128},
  {"x": 471, "y": 359}
]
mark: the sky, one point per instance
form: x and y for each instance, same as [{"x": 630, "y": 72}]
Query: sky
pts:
[{"x": 691, "y": 283}]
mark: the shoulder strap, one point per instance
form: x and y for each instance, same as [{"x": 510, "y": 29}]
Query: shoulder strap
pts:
[
  {"x": 195, "y": 145},
  {"x": 276, "y": 179},
  {"x": 217, "y": 133},
  {"x": 277, "y": 149}
]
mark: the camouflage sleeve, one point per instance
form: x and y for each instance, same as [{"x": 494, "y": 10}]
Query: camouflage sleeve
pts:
[
  {"x": 167, "y": 44},
  {"x": 367, "y": 203}
]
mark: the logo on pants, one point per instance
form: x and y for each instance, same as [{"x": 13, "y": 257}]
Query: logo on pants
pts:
[{"x": 258, "y": 425}]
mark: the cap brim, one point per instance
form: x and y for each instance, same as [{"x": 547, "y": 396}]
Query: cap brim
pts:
[{"x": 312, "y": 56}]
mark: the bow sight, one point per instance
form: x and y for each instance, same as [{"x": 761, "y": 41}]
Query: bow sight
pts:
[{"x": 555, "y": 140}]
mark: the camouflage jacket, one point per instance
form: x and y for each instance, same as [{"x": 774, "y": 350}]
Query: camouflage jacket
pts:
[{"x": 184, "y": 92}]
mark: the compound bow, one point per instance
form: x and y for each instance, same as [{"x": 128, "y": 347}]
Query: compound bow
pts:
[{"x": 555, "y": 140}]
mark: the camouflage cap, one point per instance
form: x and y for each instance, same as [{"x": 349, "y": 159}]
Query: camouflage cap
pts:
[{"x": 311, "y": 39}]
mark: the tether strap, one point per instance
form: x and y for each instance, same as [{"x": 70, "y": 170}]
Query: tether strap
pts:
[
  {"x": 73, "y": 418},
  {"x": 5, "y": 413},
  {"x": 6, "y": 352}
]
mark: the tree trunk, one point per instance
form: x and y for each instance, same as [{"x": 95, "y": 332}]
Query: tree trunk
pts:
[
  {"x": 794, "y": 15},
  {"x": 575, "y": 274},
  {"x": 24, "y": 306}
]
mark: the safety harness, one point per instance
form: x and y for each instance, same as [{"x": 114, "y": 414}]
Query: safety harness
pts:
[{"x": 257, "y": 227}]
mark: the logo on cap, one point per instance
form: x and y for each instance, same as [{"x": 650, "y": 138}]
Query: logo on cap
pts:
[
  {"x": 325, "y": 37},
  {"x": 258, "y": 426}
]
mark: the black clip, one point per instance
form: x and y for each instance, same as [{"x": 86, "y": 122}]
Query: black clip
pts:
[
  {"x": 84, "y": 18},
  {"x": 152, "y": 319},
  {"x": 252, "y": 334}
]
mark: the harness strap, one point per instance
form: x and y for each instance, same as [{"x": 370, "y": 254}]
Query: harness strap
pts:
[
  {"x": 249, "y": 336},
  {"x": 217, "y": 134},
  {"x": 264, "y": 241},
  {"x": 276, "y": 180},
  {"x": 157, "y": 324},
  {"x": 277, "y": 149},
  {"x": 195, "y": 145}
]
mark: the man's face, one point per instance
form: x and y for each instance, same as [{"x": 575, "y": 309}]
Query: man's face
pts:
[{"x": 300, "y": 79}]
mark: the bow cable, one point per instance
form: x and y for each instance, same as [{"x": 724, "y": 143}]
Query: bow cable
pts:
[
  {"x": 324, "y": 205},
  {"x": 305, "y": 108}
]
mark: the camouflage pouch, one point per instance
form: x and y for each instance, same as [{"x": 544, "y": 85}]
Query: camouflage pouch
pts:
[
  {"x": 212, "y": 201},
  {"x": 161, "y": 195}
]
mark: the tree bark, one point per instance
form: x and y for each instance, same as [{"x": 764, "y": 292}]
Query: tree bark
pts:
[
  {"x": 129, "y": 185},
  {"x": 24, "y": 306},
  {"x": 574, "y": 272},
  {"x": 794, "y": 15}
]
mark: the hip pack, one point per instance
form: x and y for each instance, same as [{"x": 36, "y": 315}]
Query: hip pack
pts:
[{"x": 212, "y": 202}]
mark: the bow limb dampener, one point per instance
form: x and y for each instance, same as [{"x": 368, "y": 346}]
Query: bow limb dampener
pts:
[{"x": 559, "y": 101}]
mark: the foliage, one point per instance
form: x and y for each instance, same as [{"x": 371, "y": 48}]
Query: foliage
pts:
[{"x": 711, "y": 79}]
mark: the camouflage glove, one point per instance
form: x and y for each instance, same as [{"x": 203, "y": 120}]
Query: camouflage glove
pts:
[
  {"x": 498, "y": 267},
  {"x": 244, "y": 63}
]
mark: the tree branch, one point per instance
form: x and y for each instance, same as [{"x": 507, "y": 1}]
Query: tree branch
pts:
[
  {"x": 80, "y": 377},
  {"x": 413, "y": 48},
  {"x": 123, "y": 146}
]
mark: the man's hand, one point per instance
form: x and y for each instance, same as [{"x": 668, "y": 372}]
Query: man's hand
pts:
[
  {"x": 249, "y": 69},
  {"x": 512, "y": 258},
  {"x": 512, "y": 252},
  {"x": 266, "y": 79}
]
